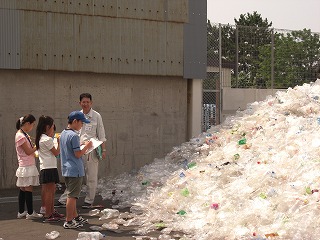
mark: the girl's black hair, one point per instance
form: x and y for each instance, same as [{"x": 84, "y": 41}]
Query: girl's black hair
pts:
[
  {"x": 44, "y": 121},
  {"x": 27, "y": 118}
]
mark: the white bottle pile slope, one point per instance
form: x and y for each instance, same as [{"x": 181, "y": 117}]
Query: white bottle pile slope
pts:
[{"x": 255, "y": 176}]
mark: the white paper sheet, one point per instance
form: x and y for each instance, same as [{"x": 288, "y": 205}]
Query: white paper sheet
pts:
[{"x": 95, "y": 143}]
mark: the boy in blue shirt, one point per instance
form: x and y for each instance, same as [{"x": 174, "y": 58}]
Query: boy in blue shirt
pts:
[{"x": 72, "y": 166}]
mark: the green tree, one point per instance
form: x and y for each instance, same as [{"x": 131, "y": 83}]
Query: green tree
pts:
[
  {"x": 252, "y": 32},
  {"x": 227, "y": 43},
  {"x": 296, "y": 59},
  {"x": 249, "y": 44},
  {"x": 239, "y": 47},
  {"x": 252, "y": 20}
]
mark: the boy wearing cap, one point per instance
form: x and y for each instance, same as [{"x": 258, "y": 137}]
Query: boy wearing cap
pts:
[{"x": 72, "y": 166}]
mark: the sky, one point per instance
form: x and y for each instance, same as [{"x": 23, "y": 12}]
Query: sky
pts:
[{"x": 284, "y": 14}]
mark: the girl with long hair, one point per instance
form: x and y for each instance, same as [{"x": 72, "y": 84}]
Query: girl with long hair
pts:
[
  {"x": 27, "y": 172},
  {"x": 48, "y": 166}
]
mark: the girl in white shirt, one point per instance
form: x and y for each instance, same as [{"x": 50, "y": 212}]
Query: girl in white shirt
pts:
[{"x": 48, "y": 166}]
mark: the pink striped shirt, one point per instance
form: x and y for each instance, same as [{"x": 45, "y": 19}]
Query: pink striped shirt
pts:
[{"x": 23, "y": 159}]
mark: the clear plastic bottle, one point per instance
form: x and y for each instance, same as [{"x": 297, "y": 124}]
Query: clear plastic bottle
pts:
[
  {"x": 52, "y": 235},
  {"x": 94, "y": 212},
  {"x": 96, "y": 228},
  {"x": 109, "y": 213},
  {"x": 90, "y": 236},
  {"x": 164, "y": 237}
]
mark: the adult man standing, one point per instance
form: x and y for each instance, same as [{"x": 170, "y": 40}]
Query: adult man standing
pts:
[{"x": 94, "y": 129}]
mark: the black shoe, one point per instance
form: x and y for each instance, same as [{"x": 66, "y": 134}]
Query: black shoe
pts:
[
  {"x": 59, "y": 205},
  {"x": 72, "y": 225},
  {"x": 86, "y": 205},
  {"x": 81, "y": 220}
]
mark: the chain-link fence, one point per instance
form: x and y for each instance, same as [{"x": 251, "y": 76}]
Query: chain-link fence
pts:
[
  {"x": 264, "y": 57},
  {"x": 210, "y": 100},
  {"x": 255, "y": 57}
]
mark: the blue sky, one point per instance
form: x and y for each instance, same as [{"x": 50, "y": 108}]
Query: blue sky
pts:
[{"x": 284, "y": 14}]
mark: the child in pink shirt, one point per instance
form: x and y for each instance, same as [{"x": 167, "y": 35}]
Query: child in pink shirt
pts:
[{"x": 27, "y": 172}]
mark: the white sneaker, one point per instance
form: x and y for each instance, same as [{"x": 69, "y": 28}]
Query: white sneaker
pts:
[
  {"x": 21, "y": 215},
  {"x": 34, "y": 215},
  {"x": 43, "y": 210},
  {"x": 74, "y": 224}
]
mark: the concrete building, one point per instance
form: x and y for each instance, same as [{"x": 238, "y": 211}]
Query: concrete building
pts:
[{"x": 139, "y": 59}]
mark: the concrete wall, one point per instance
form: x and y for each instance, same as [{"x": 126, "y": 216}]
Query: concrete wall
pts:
[
  {"x": 129, "y": 54},
  {"x": 140, "y": 37},
  {"x": 237, "y": 99},
  {"x": 144, "y": 116},
  {"x": 194, "y": 107}
]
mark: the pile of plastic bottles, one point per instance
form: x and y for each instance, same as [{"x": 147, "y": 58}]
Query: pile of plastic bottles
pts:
[{"x": 256, "y": 176}]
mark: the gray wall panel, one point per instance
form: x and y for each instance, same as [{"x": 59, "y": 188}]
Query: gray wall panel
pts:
[
  {"x": 10, "y": 39},
  {"x": 53, "y": 40},
  {"x": 105, "y": 8},
  {"x": 177, "y": 10},
  {"x": 34, "y": 40},
  {"x": 60, "y": 42},
  {"x": 174, "y": 53},
  {"x": 31, "y": 5},
  {"x": 83, "y": 35},
  {"x": 154, "y": 47},
  {"x": 8, "y": 4},
  {"x": 158, "y": 10},
  {"x": 195, "y": 41}
]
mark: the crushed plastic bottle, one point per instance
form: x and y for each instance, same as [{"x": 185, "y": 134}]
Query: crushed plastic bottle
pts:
[
  {"x": 96, "y": 228},
  {"x": 52, "y": 235},
  {"x": 109, "y": 213},
  {"x": 182, "y": 212},
  {"x": 185, "y": 192},
  {"x": 94, "y": 212},
  {"x": 242, "y": 141},
  {"x": 110, "y": 226},
  {"x": 164, "y": 237},
  {"x": 236, "y": 156},
  {"x": 145, "y": 182},
  {"x": 191, "y": 165},
  {"x": 160, "y": 225},
  {"x": 144, "y": 238},
  {"x": 90, "y": 236},
  {"x": 125, "y": 215},
  {"x": 308, "y": 190},
  {"x": 214, "y": 206}
]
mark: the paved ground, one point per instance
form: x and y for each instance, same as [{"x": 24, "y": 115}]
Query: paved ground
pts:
[{"x": 12, "y": 228}]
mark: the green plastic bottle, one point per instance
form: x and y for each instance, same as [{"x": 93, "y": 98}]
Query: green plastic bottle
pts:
[
  {"x": 242, "y": 141},
  {"x": 185, "y": 192},
  {"x": 182, "y": 212},
  {"x": 192, "y": 165}
]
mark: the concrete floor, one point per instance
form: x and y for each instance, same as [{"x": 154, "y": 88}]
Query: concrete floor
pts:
[{"x": 12, "y": 228}]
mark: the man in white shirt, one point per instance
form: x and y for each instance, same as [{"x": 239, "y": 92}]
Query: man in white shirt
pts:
[{"x": 94, "y": 129}]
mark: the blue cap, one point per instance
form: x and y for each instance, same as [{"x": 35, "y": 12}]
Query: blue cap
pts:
[{"x": 78, "y": 116}]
